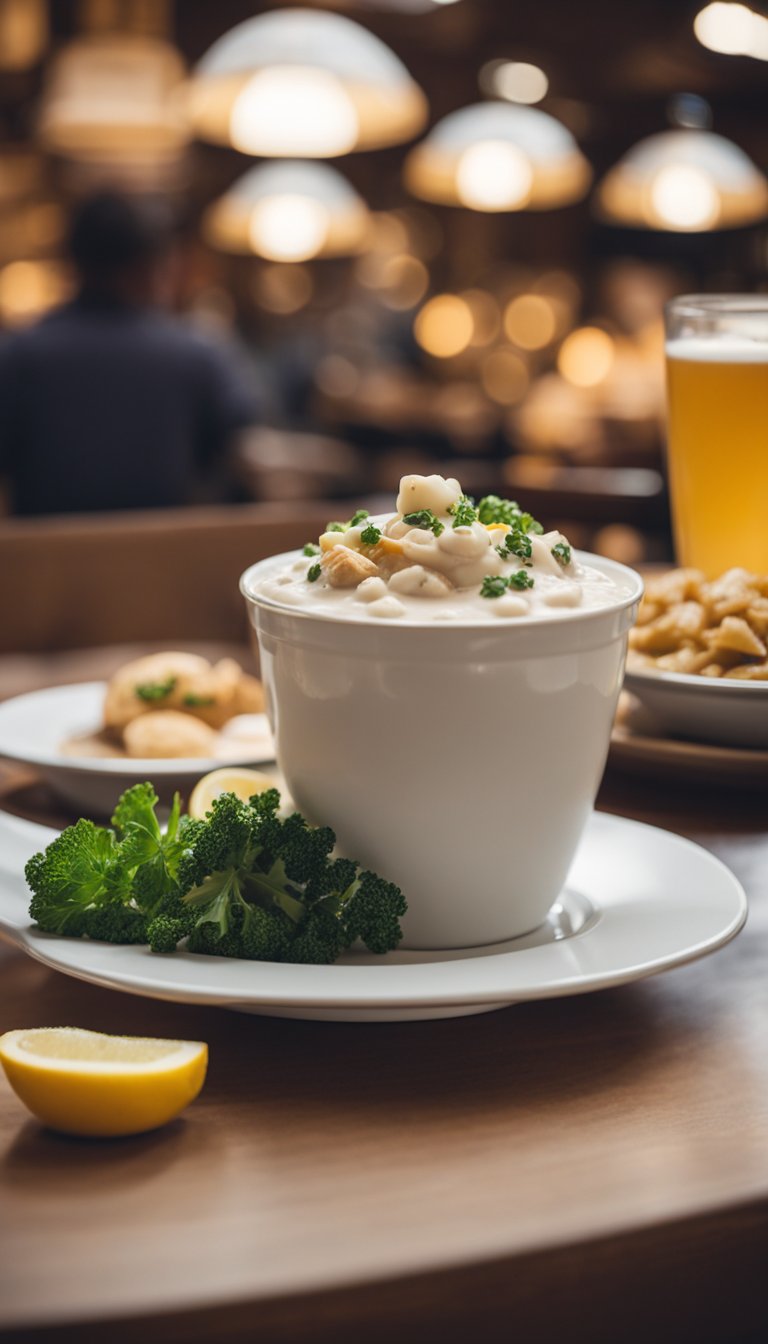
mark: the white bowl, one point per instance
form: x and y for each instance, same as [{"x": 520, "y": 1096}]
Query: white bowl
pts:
[
  {"x": 34, "y": 726},
  {"x": 705, "y": 709},
  {"x": 461, "y": 761}
]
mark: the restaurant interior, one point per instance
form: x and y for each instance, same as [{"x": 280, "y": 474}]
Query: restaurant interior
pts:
[
  {"x": 258, "y": 263},
  {"x": 501, "y": 321}
]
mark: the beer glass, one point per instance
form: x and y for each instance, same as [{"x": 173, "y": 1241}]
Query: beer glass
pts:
[{"x": 717, "y": 388}]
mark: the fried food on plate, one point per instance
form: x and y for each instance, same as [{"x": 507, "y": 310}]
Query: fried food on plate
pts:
[
  {"x": 184, "y": 682},
  {"x": 158, "y": 681},
  {"x": 711, "y": 629},
  {"x": 168, "y": 733}
]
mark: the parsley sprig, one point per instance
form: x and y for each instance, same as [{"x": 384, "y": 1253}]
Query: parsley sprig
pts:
[
  {"x": 370, "y": 535},
  {"x": 562, "y": 553},
  {"x": 149, "y": 691},
  {"x": 426, "y": 519},
  {"x": 492, "y": 509},
  {"x": 358, "y": 517},
  {"x": 463, "y": 512},
  {"x": 517, "y": 544},
  {"x": 496, "y": 585}
]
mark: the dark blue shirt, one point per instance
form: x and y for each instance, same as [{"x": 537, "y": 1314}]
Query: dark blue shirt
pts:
[{"x": 109, "y": 407}]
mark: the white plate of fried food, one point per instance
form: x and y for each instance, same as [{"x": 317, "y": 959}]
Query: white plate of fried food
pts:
[
  {"x": 170, "y": 717},
  {"x": 698, "y": 657}
]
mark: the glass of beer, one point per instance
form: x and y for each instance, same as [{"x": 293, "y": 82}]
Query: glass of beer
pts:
[{"x": 717, "y": 387}]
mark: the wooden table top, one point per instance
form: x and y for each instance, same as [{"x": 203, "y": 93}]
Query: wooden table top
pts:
[{"x": 596, "y": 1165}]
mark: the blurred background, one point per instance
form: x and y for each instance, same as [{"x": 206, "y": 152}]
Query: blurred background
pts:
[{"x": 385, "y": 235}]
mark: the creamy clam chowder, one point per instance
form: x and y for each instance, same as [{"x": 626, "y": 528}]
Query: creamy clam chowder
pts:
[{"x": 439, "y": 557}]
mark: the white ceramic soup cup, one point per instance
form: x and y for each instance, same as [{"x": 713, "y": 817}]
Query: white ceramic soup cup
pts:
[{"x": 459, "y": 760}]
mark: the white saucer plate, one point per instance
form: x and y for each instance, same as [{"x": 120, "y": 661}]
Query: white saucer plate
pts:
[
  {"x": 638, "y": 901},
  {"x": 33, "y": 728}
]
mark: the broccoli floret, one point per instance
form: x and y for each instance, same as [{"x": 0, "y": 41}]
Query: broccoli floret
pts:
[
  {"x": 243, "y": 883},
  {"x": 249, "y": 932},
  {"x": 114, "y": 924},
  {"x": 164, "y": 933},
  {"x": 267, "y": 888},
  {"x": 373, "y": 912},
  {"x": 320, "y": 940},
  {"x": 265, "y": 935},
  {"x": 221, "y": 842},
  {"x": 304, "y": 849}
]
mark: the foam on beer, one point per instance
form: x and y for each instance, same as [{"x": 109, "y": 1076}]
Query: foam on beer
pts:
[{"x": 720, "y": 349}]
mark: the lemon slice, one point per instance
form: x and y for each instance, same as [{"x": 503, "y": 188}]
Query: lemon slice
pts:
[
  {"x": 229, "y": 779},
  {"x": 84, "y": 1082}
]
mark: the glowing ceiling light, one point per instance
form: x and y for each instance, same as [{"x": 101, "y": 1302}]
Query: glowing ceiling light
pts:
[
  {"x": 684, "y": 180},
  {"x": 114, "y": 96},
  {"x": 289, "y": 212},
  {"x": 496, "y": 156},
  {"x": 289, "y": 111},
  {"x": 733, "y": 30},
  {"x": 493, "y": 175},
  {"x": 303, "y": 83},
  {"x": 288, "y": 228},
  {"x": 586, "y": 357},
  {"x": 444, "y": 326},
  {"x": 685, "y": 197},
  {"x": 519, "y": 82}
]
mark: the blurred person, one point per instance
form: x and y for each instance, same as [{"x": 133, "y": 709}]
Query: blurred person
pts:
[{"x": 107, "y": 402}]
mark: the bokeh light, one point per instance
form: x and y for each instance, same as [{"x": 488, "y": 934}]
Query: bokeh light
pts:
[
  {"x": 337, "y": 376},
  {"x": 733, "y": 30},
  {"x": 530, "y": 322},
  {"x": 486, "y": 318},
  {"x": 620, "y": 542},
  {"x": 493, "y": 175},
  {"x": 404, "y": 281},
  {"x": 444, "y": 326},
  {"x": 283, "y": 289},
  {"x": 30, "y": 288},
  {"x": 519, "y": 82},
  {"x": 586, "y": 357},
  {"x": 504, "y": 375}
]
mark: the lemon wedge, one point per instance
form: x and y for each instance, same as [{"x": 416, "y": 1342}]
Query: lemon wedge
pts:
[
  {"x": 235, "y": 779},
  {"x": 85, "y": 1082}
]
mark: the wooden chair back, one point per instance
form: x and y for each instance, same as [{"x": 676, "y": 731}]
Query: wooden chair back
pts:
[{"x": 76, "y": 582}]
